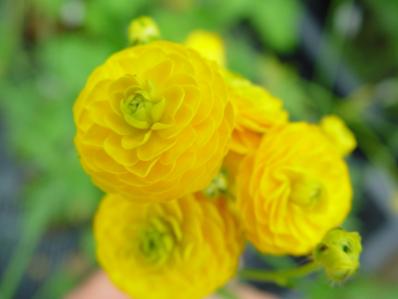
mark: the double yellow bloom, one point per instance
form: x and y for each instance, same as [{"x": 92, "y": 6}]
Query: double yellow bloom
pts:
[
  {"x": 292, "y": 190},
  {"x": 154, "y": 122},
  {"x": 185, "y": 248}
]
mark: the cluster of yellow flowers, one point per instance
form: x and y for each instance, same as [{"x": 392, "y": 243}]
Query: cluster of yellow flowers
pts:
[{"x": 195, "y": 160}]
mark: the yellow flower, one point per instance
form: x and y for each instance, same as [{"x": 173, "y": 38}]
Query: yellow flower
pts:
[
  {"x": 338, "y": 254},
  {"x": 256, "y": 112},
  {"x": 208, "y": 44},
  {"x": 180, "y": 249},
  {"x": 337, "y": 131},
  {"x": 292, "y": 190},
  {"x": 154, "y": 122}
]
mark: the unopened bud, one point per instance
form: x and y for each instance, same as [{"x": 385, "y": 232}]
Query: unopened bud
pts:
[{"x": 338, "y": 253}]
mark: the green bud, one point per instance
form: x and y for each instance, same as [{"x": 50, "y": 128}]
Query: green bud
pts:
[
  {"x": 338, "y": 253},
  {"x": 143, "y": 30}
]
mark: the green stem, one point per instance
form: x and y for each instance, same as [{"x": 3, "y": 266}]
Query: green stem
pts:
[
  {"x": 225, "y": 293},
  {"x": 281, "y": 277}
]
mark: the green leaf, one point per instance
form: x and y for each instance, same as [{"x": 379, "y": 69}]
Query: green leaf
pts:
[
  {"x": 67, "y": 60},
  {"x": 277, "y": 22}
]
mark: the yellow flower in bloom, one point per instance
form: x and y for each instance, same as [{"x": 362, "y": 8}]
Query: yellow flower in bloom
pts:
[
  {"x": 154, "y": 122},
  {"x": 338, "y": 254},
  {"x": 337, "y": 131},
  {"x": 180, "y": 249},
  {"x": 257, "y": 111},
  {"x": 292, "y": 190},
  {"x": 208, "y": 44}
]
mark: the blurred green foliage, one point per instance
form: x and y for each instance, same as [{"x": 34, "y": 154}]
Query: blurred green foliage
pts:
[
  {"x": 48, "y": 47},
  {"x": 362, "y": 287}
]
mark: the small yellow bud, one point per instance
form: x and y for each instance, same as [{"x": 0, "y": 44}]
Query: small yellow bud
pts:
[
  {"x": 337, "y": 131},
  {"x": 208, "y": 44},
  {"x": 143, "y": 30},
  {"x": 338, "y": 253}
]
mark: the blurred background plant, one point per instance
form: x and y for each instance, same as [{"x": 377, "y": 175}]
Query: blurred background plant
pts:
[{"x": 319, "y": 57}]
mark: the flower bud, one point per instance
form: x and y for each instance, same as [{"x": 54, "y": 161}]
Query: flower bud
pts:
[
  {"x": 337, "y": 131},
  {"x": 209, "y": 45},
  {"x": 338, "y": 253},
  {"x": 143, "y": 30}
]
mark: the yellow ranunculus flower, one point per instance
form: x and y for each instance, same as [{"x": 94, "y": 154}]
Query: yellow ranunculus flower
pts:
[
  {"x": 154, "y": 122},
  {"x": 180, "y": 249},
  {"x": 292, "y": 190},
  {"x": 208, "y": 44},
  {"x": 337, "y": 131},
  {"x": 257, "y": 111}
]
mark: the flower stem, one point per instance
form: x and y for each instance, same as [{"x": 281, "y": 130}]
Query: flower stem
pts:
[{"x": 281, "y": 277}]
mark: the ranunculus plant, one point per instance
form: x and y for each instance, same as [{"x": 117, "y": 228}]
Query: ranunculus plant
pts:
[{"x": 196, "y": 161}]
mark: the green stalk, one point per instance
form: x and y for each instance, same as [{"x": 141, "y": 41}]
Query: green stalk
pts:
[{"x": 280, "y": 277}]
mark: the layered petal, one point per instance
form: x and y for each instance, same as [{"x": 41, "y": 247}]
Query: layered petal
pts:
[
  {"x": 292, "y": 190},
  {"x": 257, "y": 112},
  {"x": 186, "y": 248},
  {"x": 161, "y": 116}
]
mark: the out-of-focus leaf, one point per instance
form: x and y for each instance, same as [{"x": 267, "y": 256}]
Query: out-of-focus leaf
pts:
[
  {"x": 88, "y": 245},
  {"x": 41, "y": 134},
  {"x": 176, "y": 25},
  {"x": 49, "y": 7},
  {"x": 285, "y": 84},
  {"x": 67, "y": 60},
  {"x": 57, "y": 285},
  {"x": 11, "y": 27},
  {"x": 277, "y": 22},
  {"x": 180, "y": 26},
  {"x": 241, "y": 57},
  {"x": 109, "y": 19},
  {"x": 359, "y": 288},
  {"x": 386, "y": 14},
  {"x": 41, "y": 131},
  {"x": 228, "y": 11}
]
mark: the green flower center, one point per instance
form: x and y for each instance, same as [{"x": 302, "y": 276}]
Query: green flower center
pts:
[
  {"x": 140, "y": 111},
  {"x": 305, "y": 190},
  {"x": 217, "y": 186},
  {"x": 157, "y": 241}
]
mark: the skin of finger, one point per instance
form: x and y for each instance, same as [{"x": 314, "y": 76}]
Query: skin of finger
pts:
[
  {"x": 98, "y": 286},
  {"x": 247, "y": 292}
]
